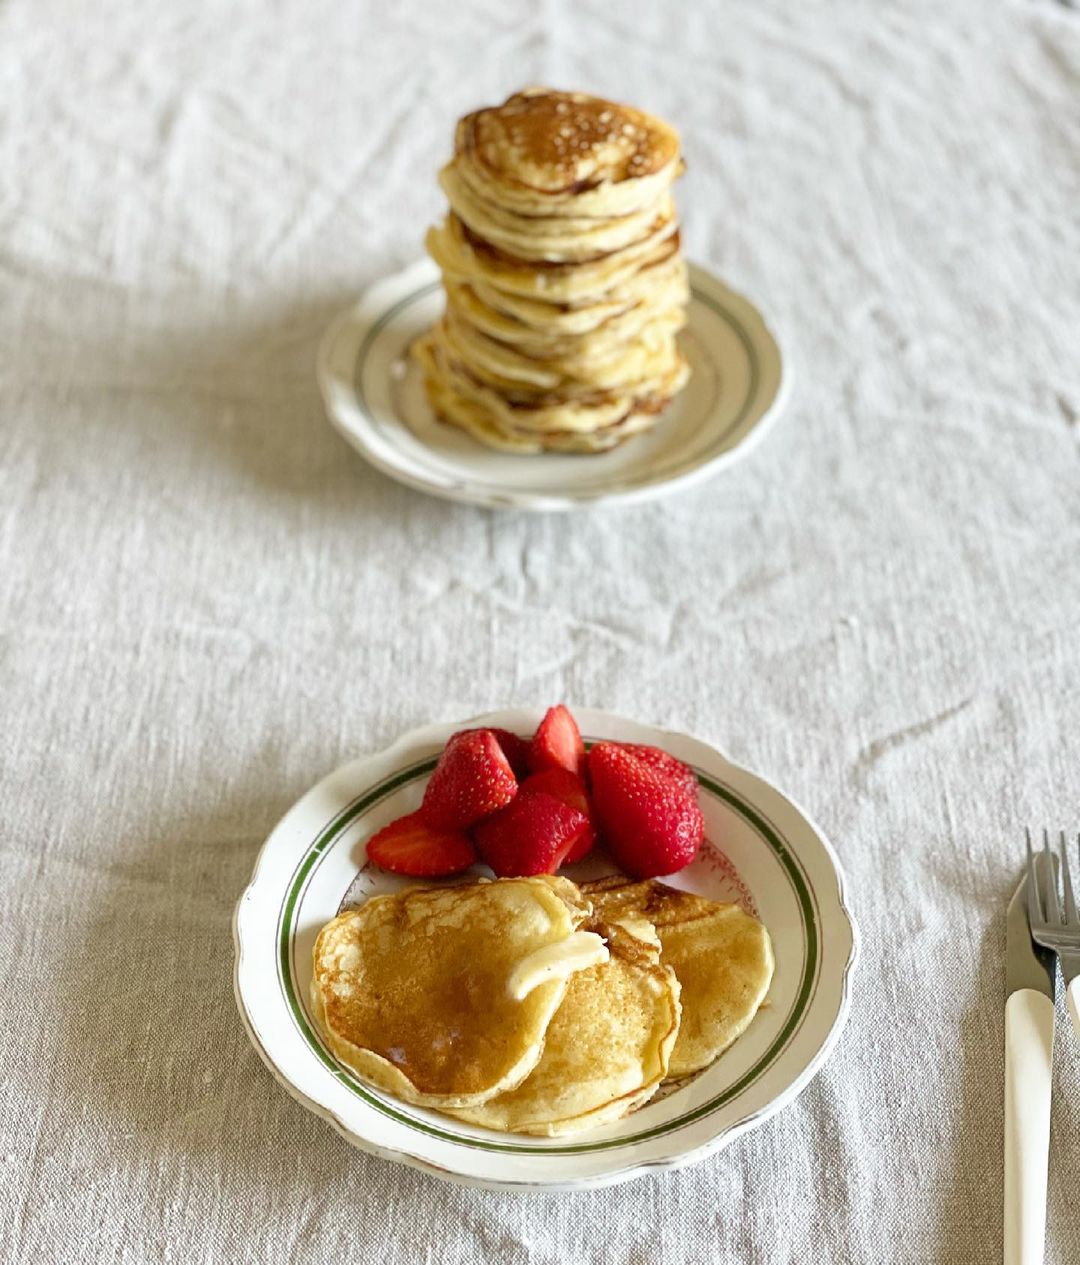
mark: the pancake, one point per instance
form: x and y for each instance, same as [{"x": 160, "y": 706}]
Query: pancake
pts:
[
  {"x": 562, "y": 239},
  {"x": 420, "y": 992},
  {"x": 551, "y": 333},
  {"x": 473, "y": 418},
  {"x": 650, "y": 352},
  {"x": 722, "y": 956},
  {"x": 591, "y": 421},
  {"x": 562, "y": 266},
  {"x": 607, "y": 1048},
  {"x": 651, "y": 285},
  {"x": 548, "y": 152},
  {"x": 460, "y": 253}
]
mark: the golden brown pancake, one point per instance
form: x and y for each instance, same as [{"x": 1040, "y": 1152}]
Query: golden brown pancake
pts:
[
  {"x": 558, "y": 336},
  {"x": 557, "y": 239},
  {"x": 462, "y": 254},
  {"x": 414, "y": 991},
  {"x": 722, "y": 956},
  {"x": 647, "y": 354},
  {"x": 607, "y": 1048},
  {"x": 543, "y": 148},
  {"x": 510, "y": 419}
]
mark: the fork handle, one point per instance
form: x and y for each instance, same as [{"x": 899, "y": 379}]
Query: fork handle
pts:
[
  {"x": 1072, "y": 994},
  {"x": 1029, "y": 1043}
]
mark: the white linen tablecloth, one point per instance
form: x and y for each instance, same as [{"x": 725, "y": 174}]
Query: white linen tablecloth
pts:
[{"x": 207, "y": 601}]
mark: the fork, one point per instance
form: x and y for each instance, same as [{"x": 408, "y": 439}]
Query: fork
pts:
[{"x": 1055, "y": 925}]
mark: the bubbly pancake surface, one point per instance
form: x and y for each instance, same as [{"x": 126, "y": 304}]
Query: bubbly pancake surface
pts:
[
  {"x": 565, "y": 283},
  {"x": 412, "y": 990},
  {"x": 722, "y": 956},
  {"x": 607, "y": 1048},
  {"x": 566, "y": 142}
]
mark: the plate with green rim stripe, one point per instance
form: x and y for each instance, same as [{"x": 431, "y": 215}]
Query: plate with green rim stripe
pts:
[
  {"x": 374, "y": 397},
  {"x": 761, "y": 850}
]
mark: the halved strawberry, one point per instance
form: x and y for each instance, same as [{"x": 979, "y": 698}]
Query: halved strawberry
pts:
[
  {"x": 472, "y": 779},
  {"x": 652, "y": 824},
  {"x": 514, "y": 748},
  {"x": 557, "y": 743},
  {"x": 532, "y": 835},
  {"x": 665, "y": 763},
  {"x": 569, "y": 788},
  {"x": 410, "y": 846}
]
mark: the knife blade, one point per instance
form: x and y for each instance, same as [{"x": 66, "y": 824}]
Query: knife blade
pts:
[{"x": 1027, "y": 965}]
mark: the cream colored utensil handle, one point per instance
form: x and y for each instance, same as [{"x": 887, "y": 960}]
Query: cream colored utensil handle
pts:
[
  {"x": 1029, "y": 1044},
  {"x": 1072, "y": 994}
]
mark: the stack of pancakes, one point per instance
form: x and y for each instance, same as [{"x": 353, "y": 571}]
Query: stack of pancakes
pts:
[
  {"x": 534, "y": 1006},
  {"x": 565, "y": 286}
]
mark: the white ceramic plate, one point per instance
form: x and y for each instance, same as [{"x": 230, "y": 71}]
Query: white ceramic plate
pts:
[
  {"x": 375, "y": 397},
  {"x": 763, "y": 850}
]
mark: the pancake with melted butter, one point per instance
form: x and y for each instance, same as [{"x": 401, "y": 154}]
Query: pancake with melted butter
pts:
[
  {"x": 442, "y": 996},
  {"x": 608, "y": 1047},
  {"x": 722, "y": 956}
]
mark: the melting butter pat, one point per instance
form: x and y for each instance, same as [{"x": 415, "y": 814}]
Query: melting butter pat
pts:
[{"x": 556, "y": 961}]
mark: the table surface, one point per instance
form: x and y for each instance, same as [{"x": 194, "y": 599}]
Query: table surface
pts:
[{"x": 207, "y": 601}]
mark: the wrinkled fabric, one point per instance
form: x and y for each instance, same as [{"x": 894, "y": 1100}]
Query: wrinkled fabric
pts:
[{"x": 207, "y": 601}]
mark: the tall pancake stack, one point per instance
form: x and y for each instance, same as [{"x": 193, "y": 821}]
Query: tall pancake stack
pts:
[{"x": 564, "y": 283}]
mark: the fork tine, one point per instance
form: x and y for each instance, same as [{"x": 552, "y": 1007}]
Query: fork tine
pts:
[
  {"x": 1066, "y": 879},
  {"x": 1034, "y": 909},
  {"x": 1050, "y": 892}
]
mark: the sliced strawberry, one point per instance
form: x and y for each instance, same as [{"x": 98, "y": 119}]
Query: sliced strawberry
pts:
[
  {"x": 563, "y": 785},
  {"x": 533, "y": 835},
  {"x": 472, "y": 779},
  {"x": 652, "y": 824},
  {"x": 514, "y": 748},
  {"x": 557, "y": 743},
  {"x": 569, "y": 788},
  {"x": 410, "y": 846},
  {"x": 665, "y": 763}
]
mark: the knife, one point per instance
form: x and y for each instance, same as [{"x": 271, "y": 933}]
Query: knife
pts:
[{"x": 1029, "y": 1044}]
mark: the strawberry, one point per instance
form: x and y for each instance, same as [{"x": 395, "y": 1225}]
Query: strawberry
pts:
[
  {"x": 557, "y": 743},
  {"x": 666, "y": 764},
  {"x": 514, "y": 748},
  {"x": 571, "y": 790},
  {"x": 532, "y": 835},
  {"x": 410, "y": 846},
  {"x": 652, "y": 824},
  {"x": 472, "y": 779}
]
